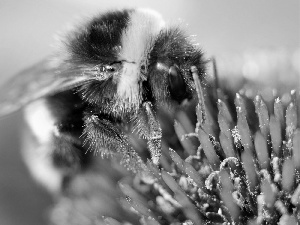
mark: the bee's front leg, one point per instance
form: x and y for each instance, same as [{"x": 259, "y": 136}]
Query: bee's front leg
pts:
[
  {"x": 102, "y": 136},
  {"x": 105, "y": 138}
]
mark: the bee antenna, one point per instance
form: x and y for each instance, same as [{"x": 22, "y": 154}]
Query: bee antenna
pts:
[
  {"x": 215, "y": 73},
  {"x": 214, "y": 80}
]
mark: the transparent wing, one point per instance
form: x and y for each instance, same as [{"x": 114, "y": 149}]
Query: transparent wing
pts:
[{"x": 39, "y": 80}]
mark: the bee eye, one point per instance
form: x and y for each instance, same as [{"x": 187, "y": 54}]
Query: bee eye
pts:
[{"x": 177, "y": 85}]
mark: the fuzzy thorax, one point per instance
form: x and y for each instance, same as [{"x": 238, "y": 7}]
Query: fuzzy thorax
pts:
[{"x": 137, "y": 41}]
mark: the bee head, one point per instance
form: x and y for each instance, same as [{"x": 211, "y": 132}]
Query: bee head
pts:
[{"x": 172, "y": 56}]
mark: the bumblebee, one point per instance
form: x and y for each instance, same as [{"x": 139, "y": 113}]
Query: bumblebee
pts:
[{"x": 95, "y": 84}]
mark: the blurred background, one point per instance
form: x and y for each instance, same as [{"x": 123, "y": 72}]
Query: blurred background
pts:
[{"x": 227, "y": 29}]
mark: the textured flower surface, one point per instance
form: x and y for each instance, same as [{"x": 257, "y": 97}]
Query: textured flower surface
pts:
[{"x": 236, "y": 160}]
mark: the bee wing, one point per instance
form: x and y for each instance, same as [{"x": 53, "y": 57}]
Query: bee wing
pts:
[{"x": 38, "y": 81}]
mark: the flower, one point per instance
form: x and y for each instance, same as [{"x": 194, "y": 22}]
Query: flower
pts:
[{"x": 239, "y": 163}]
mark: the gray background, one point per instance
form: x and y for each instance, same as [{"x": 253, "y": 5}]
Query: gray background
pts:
[{"x": 26, "y": 35}]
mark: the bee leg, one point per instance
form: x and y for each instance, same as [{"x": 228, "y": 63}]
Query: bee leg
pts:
[
  {"x": 105, "y": 138},
  {"x": 101, "y": 135},
  {"x": 155, "y": 134},
  {"x": 68, "y": 155}
]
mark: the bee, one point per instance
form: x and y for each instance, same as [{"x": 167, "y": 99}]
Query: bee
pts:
[{"x": 95, "y": 84}]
